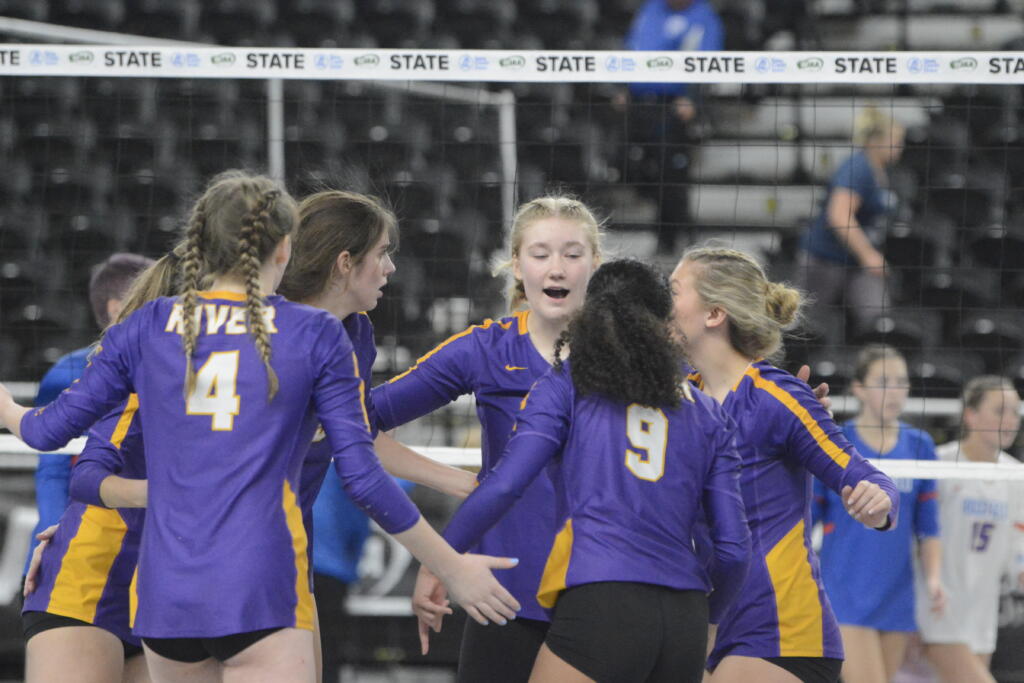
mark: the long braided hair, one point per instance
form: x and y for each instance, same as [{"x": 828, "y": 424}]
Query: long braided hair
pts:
[{"x": 234, "y": 227}]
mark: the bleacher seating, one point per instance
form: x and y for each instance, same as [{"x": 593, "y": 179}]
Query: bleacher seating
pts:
[{"x": 110, "y": 164}]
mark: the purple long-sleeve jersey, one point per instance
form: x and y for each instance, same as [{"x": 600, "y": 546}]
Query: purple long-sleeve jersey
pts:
[
  {"x": 86, "y": 570},
  {"x": 497, "y": 362},
  {"x": 224, "y": 549},
  {"x": 630, "y": 481},
  {"x": 784, "y": 437}
]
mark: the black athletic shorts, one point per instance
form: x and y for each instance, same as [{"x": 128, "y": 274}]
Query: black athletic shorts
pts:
[
  {"x": 34, "y": 622},
  {"x": 500, "y": 654},
  {"x": 631, "y": 632},
  {"x": 810, "y": 669},
  {"x": 198, "y": 649}
]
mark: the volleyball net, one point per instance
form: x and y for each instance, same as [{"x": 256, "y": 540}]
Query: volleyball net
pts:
[{"x": 105, "y": 145}]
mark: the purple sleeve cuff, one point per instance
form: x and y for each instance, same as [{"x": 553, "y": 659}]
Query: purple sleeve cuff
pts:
[{"x": 86, "y": 478}]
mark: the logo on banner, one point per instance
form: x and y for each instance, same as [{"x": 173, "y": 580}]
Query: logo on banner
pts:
[
  {"x": 811, "y": 64},
  {"x": 470, "y": 63},
  {"x": 185, "y": 60},
  {"x": 766, "y": 65},
  {"x": 964, "y": 64},
  {"x": 81, "y": 57},
  {"x": 331, "y": 62},
  {"x": 223, "y": 59},
  {"x": 660, "y": 63},
  {"x": 515, "y": 62},
  {"x": 367, "y": 61},
  {"x": 43, "y": 57},
  {"x": 918, "y": 65}
]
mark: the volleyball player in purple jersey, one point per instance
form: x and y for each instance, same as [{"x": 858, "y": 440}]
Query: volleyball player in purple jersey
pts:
[
  {"x": 730, "y": 318},
  {"x": 637, "y": 457},
  {"x": 554, "y": 247},
  {"x": 222, "y": 465}
]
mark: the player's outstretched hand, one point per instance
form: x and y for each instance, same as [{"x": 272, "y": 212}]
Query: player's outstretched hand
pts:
[
  {"x": 867, "y": 503},
  {"x": 473, "y": 586},
  {"x": 820, "y": 391},
  {"x": 429, "y": 603},
  {"x": 43, "y": 537}
]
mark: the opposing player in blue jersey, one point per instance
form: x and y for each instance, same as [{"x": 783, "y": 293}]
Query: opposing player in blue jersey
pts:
[
  {"x": 636, "y": 454},
  {"x": 223, "y": 461},
  {"x": 731, "y": 317},
  {"x": 869, "y": 577}
]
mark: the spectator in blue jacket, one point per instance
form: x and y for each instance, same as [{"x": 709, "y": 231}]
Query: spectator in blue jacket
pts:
[{"x": 660, "y": 115}]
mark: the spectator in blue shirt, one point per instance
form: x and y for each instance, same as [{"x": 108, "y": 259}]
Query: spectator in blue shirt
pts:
[
  {"x": 109, "y": 283},
  {"x": 841, "y": 262},
  {"x": 660, "y": 115}
]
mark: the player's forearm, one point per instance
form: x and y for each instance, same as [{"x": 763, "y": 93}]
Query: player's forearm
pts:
[
  {"x": 403, "y": 462},
  {"x": 427, "y": 546},
  {"x": 118, "y": 492},
  {"x": 11, "y": 414},
  {"x": 930, "y": 553}
]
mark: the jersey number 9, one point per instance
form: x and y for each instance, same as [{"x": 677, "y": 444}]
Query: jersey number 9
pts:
[{"x": 647, "y": 431}]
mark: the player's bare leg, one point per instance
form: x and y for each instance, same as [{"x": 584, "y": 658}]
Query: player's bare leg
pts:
[
  {"x": 78, "y": 654},
  {"x": 864, "y": 659},
  {"x": 955, "y": 663},
  {"x": 894, "y": 651},
  {"x": 734, "y": 669},
  {"x": 285, "y": 656},
  {"x": 550, "y": 668}
]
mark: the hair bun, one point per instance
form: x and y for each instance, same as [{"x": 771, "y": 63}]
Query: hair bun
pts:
[{"x": 782, "y": 303}]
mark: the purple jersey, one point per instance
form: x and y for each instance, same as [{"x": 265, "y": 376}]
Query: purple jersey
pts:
[
  {"x": 496, "y": 362},
  {"x": 630, "y": 480},
  {"x": 87, "y": 568},
  {"x": 224, "y": 549},
  {"x": 314, "y": 469},
  {"x": 784, "y": 437}
]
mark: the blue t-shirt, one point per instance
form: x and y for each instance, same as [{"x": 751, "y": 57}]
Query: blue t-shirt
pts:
[
  {"x": 53, "y": 473},
  {"x": 657, "y": 27},
  {"x": 854, "y": 174},
  {"x": 869, "y": 576}
]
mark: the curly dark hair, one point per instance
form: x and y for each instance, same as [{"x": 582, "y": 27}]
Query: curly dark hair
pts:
[{"x": 621, "y": 344}]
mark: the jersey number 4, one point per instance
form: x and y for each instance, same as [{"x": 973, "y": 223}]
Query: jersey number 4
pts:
[
  {"x": 215, "y": 392},
  {"x": 647, "y": 431}
]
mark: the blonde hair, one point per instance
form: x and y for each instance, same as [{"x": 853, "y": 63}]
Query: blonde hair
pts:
[
  {"x": 759, "y": 310},
  {"x": 550, "y": 206},
  {"x": 872, "y": 123},
  {"x": 233, "y": 228}
]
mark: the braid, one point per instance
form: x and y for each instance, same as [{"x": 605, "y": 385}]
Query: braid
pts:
[
  {"x": 190, "y": 267},
  {"x": 253, "y": 227}
]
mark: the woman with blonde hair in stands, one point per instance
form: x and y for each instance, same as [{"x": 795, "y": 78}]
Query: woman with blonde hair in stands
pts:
[
  {"x": 730, "y": 319},
  {"x": 841, "y": 264},
  {"x": 982, "y": 525}
]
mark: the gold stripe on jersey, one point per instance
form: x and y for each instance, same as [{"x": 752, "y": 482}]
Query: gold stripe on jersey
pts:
[
  {"x": 362, "y": 393},
  {"x": 838, "y": 455},
  {"x": 522, "y": 316},
  {"x": 797, "y": 602},
  {"x": 125, "y": 421},
  {"x": 303, "y": 596},
  {"x": 552, "y": 581},
  {"x": 469, "y": 330},
  {"x": 133, "y": 597},
  {"x": 221, "y": 294},
  {"x": 86, "y": 565}
]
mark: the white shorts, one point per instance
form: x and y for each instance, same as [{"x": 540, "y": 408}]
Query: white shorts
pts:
[{"x": 972, "y": 622}]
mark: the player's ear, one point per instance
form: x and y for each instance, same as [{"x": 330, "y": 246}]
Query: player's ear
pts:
[
  {"x": 517, "y": 272},
  {"x": 715, "y": 317},
  {"x": 343, "y": 264}
]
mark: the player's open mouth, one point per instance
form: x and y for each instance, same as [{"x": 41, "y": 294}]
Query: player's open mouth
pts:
[{"x": 556, "y": 292}]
